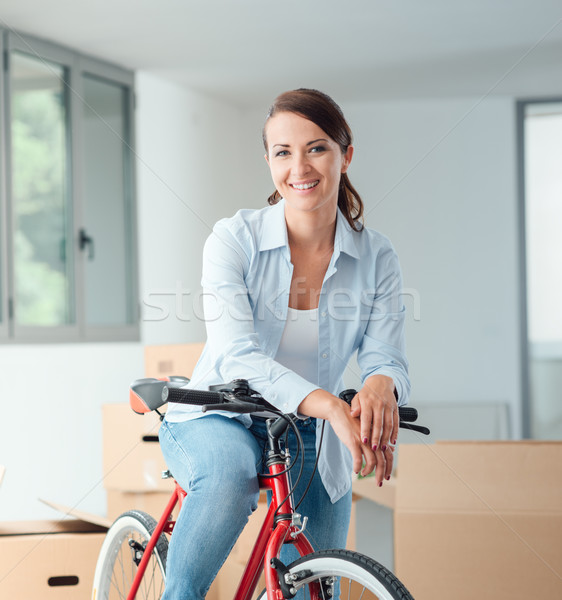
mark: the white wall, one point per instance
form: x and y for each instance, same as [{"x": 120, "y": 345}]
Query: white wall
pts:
[
  {"x": 50, "y": 437},
  {"x": 439, "y": 177},
  {"x": 189, "y": 174}
]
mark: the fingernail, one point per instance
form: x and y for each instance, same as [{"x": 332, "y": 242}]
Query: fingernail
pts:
[
  {"x": 380, "y": 484},
  {"x": 388, "y": 478},
  {"x": 384, "y": 447},
  {"x": 394, "y": 442},
  {"x": 365, "y": 440},
  {"x": 374, "y": 447}
]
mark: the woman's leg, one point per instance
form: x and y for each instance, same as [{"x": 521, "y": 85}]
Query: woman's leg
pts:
[{"x": 215, "y": 460}]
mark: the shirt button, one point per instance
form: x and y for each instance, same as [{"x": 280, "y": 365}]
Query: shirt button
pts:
[
  {"x": 323, "y": 314},
  {"x": 324, "y": 355}
]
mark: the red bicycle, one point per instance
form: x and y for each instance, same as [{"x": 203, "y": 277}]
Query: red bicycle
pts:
[{"x": 132, "y": 560}]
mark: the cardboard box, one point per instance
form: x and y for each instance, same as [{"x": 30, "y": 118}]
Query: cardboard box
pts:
[
  {"x": 174, "y": 359},
  {"x": 48, "y": 559},
  {"x": 480, "y": 519},
  {"x": 152, "y": 503},
  {"x": 132, "y": 460},
  {"x": 229, "y": 577},
  {"x": 368, "y": 489}
]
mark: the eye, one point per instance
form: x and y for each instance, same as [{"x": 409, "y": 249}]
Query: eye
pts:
[
  {"x": 282, "y": 153},
  {"x": 317, "y": 149}
]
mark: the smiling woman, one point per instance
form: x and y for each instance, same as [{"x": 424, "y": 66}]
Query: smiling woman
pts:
[{"x": 271, "y": 278}]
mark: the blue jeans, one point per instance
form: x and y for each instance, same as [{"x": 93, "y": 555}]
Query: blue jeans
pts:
[{"x": 217, "y": 459}]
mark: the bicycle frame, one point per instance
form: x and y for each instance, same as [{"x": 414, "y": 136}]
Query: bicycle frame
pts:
[{"x": 268, "y": 543}]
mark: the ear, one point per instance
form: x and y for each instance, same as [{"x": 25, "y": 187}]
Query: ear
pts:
[
  {"x": 266, "y": 159},
  {"x": 346, "y": 159}
]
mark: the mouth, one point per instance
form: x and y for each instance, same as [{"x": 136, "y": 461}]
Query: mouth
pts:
[{"x": 304, "y": 186}]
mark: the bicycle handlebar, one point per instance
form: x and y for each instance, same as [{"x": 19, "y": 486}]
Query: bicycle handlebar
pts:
[
  {"x": 231, "y": 400},
  {"x": 238, "y": 397},
  {"x": 171, "y": 393}
]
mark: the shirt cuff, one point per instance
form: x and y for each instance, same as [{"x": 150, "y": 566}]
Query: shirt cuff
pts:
[{"x": 288, "y": 391}]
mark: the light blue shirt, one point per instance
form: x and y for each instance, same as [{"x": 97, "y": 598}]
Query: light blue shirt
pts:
[{"x": 247, "y": 274}]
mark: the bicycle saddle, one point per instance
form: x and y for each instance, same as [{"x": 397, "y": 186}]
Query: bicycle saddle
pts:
[{"x": 145, "y": 394}]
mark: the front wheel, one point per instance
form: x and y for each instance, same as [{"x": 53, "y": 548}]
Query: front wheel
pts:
[
  {"x": 331, "y": 574},
  {"x": 120, "y": 555}
]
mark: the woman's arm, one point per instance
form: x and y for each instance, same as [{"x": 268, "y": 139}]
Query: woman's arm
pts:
[
  {"x": 323, "y": 405},
  {"x": 381, "y": 356},
  {"x": 232, "y": 340}
]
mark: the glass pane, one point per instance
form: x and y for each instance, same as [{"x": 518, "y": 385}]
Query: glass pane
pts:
[
  {"x": 106, "y": 217},
  {"x": 543, "y": 207},
  {"x": 40, "y": 192}
]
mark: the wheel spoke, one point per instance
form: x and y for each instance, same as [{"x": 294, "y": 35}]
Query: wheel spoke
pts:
[{"x": 117, "y": 565}]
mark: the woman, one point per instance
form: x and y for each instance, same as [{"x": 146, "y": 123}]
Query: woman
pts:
[{"x": 291, "y": 292}]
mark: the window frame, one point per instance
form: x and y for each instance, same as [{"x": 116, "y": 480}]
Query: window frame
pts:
[
  {"x": 125, "y": 79},
  {"x": 525, "y": 356},
  {"x": 76, "y": 66},
  {"x": 4, "y": 295}
]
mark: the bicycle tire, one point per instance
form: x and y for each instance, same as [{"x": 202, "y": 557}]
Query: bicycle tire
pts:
[
  {"x": 359, "y": 577},
  {"x": 116, "y": 566}
]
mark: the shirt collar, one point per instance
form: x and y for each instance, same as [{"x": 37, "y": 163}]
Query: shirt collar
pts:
[
  {"x": 345, "y": 237},
  {"x": 274, "y": 232}
]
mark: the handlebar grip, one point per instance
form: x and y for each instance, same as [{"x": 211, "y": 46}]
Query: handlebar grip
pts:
[
  {"x": 407, "y": 414},
  {"x": 196, "y": 397}
]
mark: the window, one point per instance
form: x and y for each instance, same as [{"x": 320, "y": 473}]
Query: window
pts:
[
  {"x": 67, "y": 211},
  {"x": 540, "y": 131}
]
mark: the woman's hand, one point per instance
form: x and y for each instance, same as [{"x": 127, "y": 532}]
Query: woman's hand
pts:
[
  {"x": 375, "y": 407},
  {"x": 323, "y": 405}
]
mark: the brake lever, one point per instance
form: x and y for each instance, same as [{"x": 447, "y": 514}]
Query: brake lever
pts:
[
  {"x": 418, "y": 428},
  {"x": 236, "y": 406}
]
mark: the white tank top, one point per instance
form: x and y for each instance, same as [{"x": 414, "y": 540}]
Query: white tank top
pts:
[{"x": 298, "y": 349}]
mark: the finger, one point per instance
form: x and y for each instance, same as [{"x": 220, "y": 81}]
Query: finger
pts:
[
  {"x": 380, "y": 469},
  {"x": 357, "y": 458},
  {"x": 377, "y": 426},
  {"x": 387, "y": 428},
  {"x": 389, "y": 457},
  {"x": 370, "y": 460},
  {"x": 395, "y": 425},
  {"x": 366, "y": 425}
]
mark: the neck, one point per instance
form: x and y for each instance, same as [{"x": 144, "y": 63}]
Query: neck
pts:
[{"x": 313, "y": 231}]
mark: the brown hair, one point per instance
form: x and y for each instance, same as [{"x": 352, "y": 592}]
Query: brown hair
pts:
[{"x": 324, "y": 112}]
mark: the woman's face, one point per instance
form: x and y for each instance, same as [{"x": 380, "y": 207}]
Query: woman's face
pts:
[{"x": 305, "y": 164}]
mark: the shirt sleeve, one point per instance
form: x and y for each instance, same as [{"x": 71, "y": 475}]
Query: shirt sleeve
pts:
[
  {"x": 232, "y": 341},
  {"x": 382, "y": 349}
]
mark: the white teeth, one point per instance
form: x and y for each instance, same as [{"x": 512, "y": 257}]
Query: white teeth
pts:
[{"x": 304, "y": 186}]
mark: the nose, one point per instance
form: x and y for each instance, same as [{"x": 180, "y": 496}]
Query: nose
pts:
[{"x": 301, "y": 165}]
